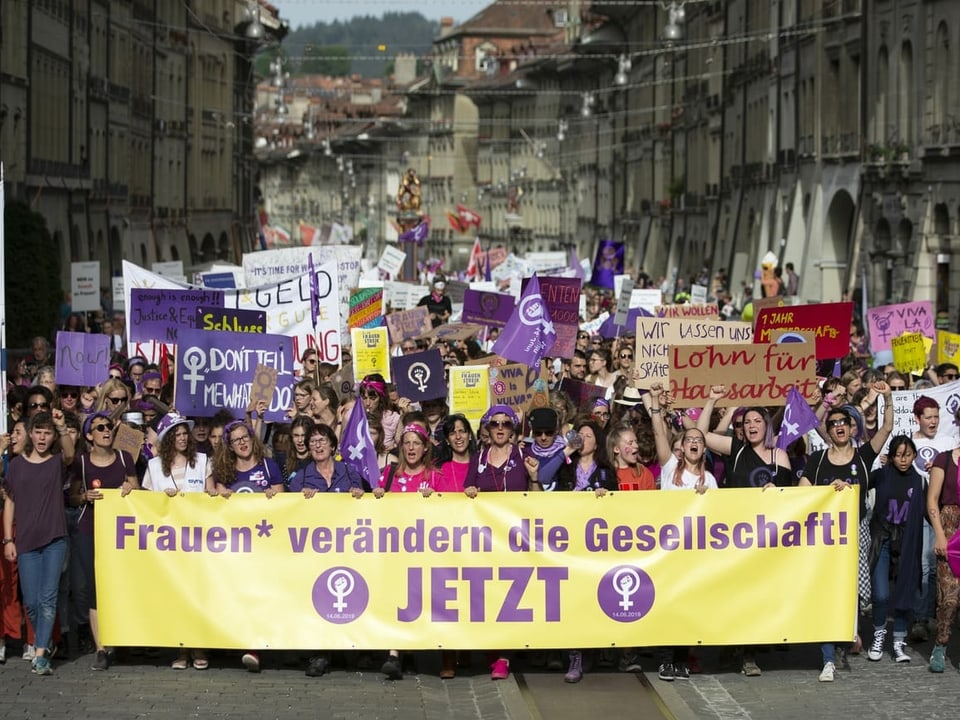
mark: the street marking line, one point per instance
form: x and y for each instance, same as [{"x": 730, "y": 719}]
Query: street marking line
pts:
[{"x": 718, "y": 699}]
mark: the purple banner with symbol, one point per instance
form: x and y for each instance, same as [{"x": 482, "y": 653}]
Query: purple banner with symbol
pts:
[
  {"x": 419, "y": 376},
  {"x": 215, "y": 370},
  {"x": 562, "y": 296},
  {"x": 160, "y": 314},
  {"x": 487, "y": 308},
  {"x": 82, "y": 358}
]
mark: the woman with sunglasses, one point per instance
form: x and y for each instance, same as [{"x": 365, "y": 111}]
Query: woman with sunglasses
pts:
[
  {"x": 67, "y": 398},
  {"x": 501, "y": 468},
  {"x": 373, "y": 394},
  {"x": 34, "y": 500},
  {"x": 843, "y": 465},
  {"x": 96, "y": 470},
  {"x": 114, "y": 397}
]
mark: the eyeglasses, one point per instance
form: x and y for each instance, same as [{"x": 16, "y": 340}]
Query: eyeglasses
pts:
[
  {"x": 950, "y": 376},
  {"x": 602, "y": 413},
  {"x": 409, "y": 349},
  {"x": 837, "y": 423},
  {"x": 501, "y": 424},
  {"x": 242, "y": 440},
  {"x": 41, "y": 405},
  {"x": 69, "y": 394},
  {"x": 541, "y": 433},
  {"x": 318, "y": 441},
  {"x": 100, "y": 427},
  {"x": 151, "y": 391},
  {"x": 626, "y": 356},
  {"x": 116, "y": 400}
]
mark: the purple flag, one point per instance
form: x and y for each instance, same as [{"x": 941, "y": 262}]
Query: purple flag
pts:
[
  {"x": 486, "y": 267},
  {"x": 314, "y": 292},
  {"x": 575, "y": 263},
  {"x": 798, "y": 418},
  {"x": 609, "y": 262},
  {"x": 416, "y": 234},
  {"x": 529, "y": 335},
  {"x": 356, "y": 447}
]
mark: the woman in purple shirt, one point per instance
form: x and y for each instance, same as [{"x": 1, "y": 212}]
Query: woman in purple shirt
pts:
[{"x": 34, "y": 487}]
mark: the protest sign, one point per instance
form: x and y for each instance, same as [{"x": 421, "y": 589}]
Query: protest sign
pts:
[
  {"x": 409, "y": 324},
  {"x": 263, "y": 386},
  {"x": 286, "y": 304},
  {"x": 830, "y": 322},
  {"x": 214, "y": 371},
  {"x": 159, "y": 313},
  {"x": 646, "y": 298},
  {"x": 172, "y": 269},
  {"x": 655, "y": 337},
  {"x": 947, "y": 397},
  {"x": 948, "y": 347},
  {"x": 909, "y": 353},
  {"x": 85, "y": 286},
  {"x": 496, "y": 256},
  {"x": 343, "y": 381},
  {"x": 371, "y": 352},
  {"x": 231, "y": 320},
  {"x": 453, "y": 331},
  {"x": 391, "y": 262},
  {"x": 775, "y": 301},
  {"x": 889, "y": 321},
  {"x": 753, "y": 374},
  {"x": 419, "y": 376},
  {"x": 366, "y": 308},
  {"x": 118, "y": 294},
  {"x": 129, "y": 440},
  {"x": 455, "y": 291},
  {"x": 562, "y": 296},
  {"x": 469, "y": 391},
  {"x": 593, "y": 326},
  {"x": 687, "y": 310},
  {"x": 623, "y": 302},
  {"x": 487, "y": 308},
  {"x": 627, "y": 570},
  {"x": 510, "y": 385},
  {"x": 582, "y": 393},
  {"x": 698, "y": 294},
  {"x": 82, "y": 359}
]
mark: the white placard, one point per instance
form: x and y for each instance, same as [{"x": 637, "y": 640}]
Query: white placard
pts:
[
  {"x": 119, "y": 303},
  {"x": 85, "y": 286},
  {"x": 172, "y": 269},
  {"x": 618, "y": 281},
  {"x": 392, "y": 260},
  {"x": 623, "y": 302},
  {"x": 646, "y": 298},
  {"x": 698, "y": 294}
]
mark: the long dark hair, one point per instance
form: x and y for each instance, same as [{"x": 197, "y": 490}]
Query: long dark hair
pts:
[{"x": 443, "y": 452}]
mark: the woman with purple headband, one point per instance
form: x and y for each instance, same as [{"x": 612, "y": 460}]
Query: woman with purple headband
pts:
[
  {"x": 373, "y": 393},
  {"x": 600, "y": 412},
  {"x": 415, "y": 471}
]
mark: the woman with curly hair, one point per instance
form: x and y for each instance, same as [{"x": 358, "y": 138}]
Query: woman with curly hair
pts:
[{"x": 178, "y": 466}]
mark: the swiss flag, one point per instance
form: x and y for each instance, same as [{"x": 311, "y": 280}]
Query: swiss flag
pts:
[{"x": 468, "y": 217}]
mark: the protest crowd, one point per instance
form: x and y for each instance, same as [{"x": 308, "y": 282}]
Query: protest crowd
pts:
[{"x": 595, "y": 419}]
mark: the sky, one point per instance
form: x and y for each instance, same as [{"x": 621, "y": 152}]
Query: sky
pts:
[{"x": 307, "y": 12}]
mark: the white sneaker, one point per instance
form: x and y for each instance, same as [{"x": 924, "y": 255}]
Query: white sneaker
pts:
[
  {"x": 826, "y": 675},
  {"x": 900, "y": 652},
  {"x": 876, "y": 647},
  {"x": 3, "y": 652},
  {"x": 29, "y": 652}
]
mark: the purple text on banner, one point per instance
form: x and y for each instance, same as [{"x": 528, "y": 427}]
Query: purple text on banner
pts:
[
  {"x": 159, "y": 314},
  {"x": 562, "y": 296},
  {"x": 889, "y": 321},
  {"x": 215, "y": 371},
  {"x": 487, "y": 308},
  {"x": 83, "y": 359},
  {"x": 231, "y": 320}
]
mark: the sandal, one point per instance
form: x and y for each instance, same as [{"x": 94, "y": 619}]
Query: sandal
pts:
[
  {"x": 200, "y": 663},
  {"x": 180, "y": 663}
]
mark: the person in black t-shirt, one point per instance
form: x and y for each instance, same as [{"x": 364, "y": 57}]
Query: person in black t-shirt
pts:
[{"x": 437, "y": 303}]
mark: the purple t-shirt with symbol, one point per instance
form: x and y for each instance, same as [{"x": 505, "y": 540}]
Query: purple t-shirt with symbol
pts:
[{"x": 258, "y": 478}]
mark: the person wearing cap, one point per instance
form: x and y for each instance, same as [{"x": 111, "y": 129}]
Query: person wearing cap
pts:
[
  {"x": 437, "y": 303},
  {"x": 600, "y": 412},
  {"x": 550, "y": 450},
  {"x": 100, "y": 468},
  {"x": 178, "y": 467}
]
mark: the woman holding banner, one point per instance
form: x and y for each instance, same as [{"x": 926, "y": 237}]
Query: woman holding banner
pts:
[
  {"x": 100, "y": 468},
  {"x": 373, "y": 393}
]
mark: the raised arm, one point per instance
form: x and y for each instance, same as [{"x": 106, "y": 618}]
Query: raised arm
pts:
[
  {"x": 716, "y": 442},
  {"x": 883, "y": 432},
  {"x": 653, "y": 398}
]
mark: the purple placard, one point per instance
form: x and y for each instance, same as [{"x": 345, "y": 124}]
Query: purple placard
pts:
[
  {"x": 419, "y": 376},
  {"x": 889, "y": 321},
  {"x": 83, "y": 359},
  {"x": 231, "y": 320},
  {"x": 215, "y": 370},
  {"x": 562, "y": 296},
  {"x": 159, "y": 314},
  {"x": 487, "y": 308}
]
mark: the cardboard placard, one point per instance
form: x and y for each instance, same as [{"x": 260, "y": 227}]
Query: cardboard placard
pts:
[
  {"x": 655, "y": 337},
  {"x": 830, "y": 322},
  {"x": 161, "y": 313},
  {"x": 948, "y": 347},
  {"x": 85, "y": 286},
  {"x": 562, "y": 297},
  {"x": 453, "y": 331},
  {"x": 491, "y": 309},
  {"x": 582, "y": 393},
  {"x": 753, "y": 374},
  {"x": 409, "y": 324},
  {"x": 419, "y": 376},
  {"x": 129, "y": 440},
  {"x": 366, "y": 308},
  {"x": 263, "y": 386},
  {"x": 688, "y": 310}
]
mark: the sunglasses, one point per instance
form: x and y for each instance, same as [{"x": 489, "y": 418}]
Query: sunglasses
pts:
[
  {"x": 100, "y": 427},
  {"x": 69, "y": 394},
  {"x": 626, "y": 356},
  {"x": 116, "y": 400},
  {"x": 501, "y": 424},
  {"x": 583, "y": 337},
  {"x": 898, "y": 387},
  {"x": 541, "y": 433},
  {"x": 41, "y": 405},
  {"x": 950, "y": 376},
  {"x": 151, "y": 391},
  {"x": 837, "y": 423}
]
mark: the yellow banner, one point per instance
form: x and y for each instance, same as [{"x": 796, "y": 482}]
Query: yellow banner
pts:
[
  {"x": 948, "y": 347},
  {"x": 506, "y": 570},
  {"x": 910, "y": 352},
  {"x": 470, "y": 391},
  {"x": 371, "y": 352}
]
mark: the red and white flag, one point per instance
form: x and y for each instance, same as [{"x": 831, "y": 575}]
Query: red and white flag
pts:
[
  {"x": 468, "y": 217},
  {"x": 478, "y": 259}
]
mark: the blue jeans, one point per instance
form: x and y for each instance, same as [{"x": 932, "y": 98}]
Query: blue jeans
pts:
[
  {"x": 881, "y": 594},
  {"x": 40, "y": 583},
  {"x": 925, "y": 605}
]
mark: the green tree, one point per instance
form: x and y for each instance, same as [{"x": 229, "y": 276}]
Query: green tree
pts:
[
  {"x": 332, "y": 60},
  {"x": 32, "y": 267},
  {"x": 261, "y": 65}
]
